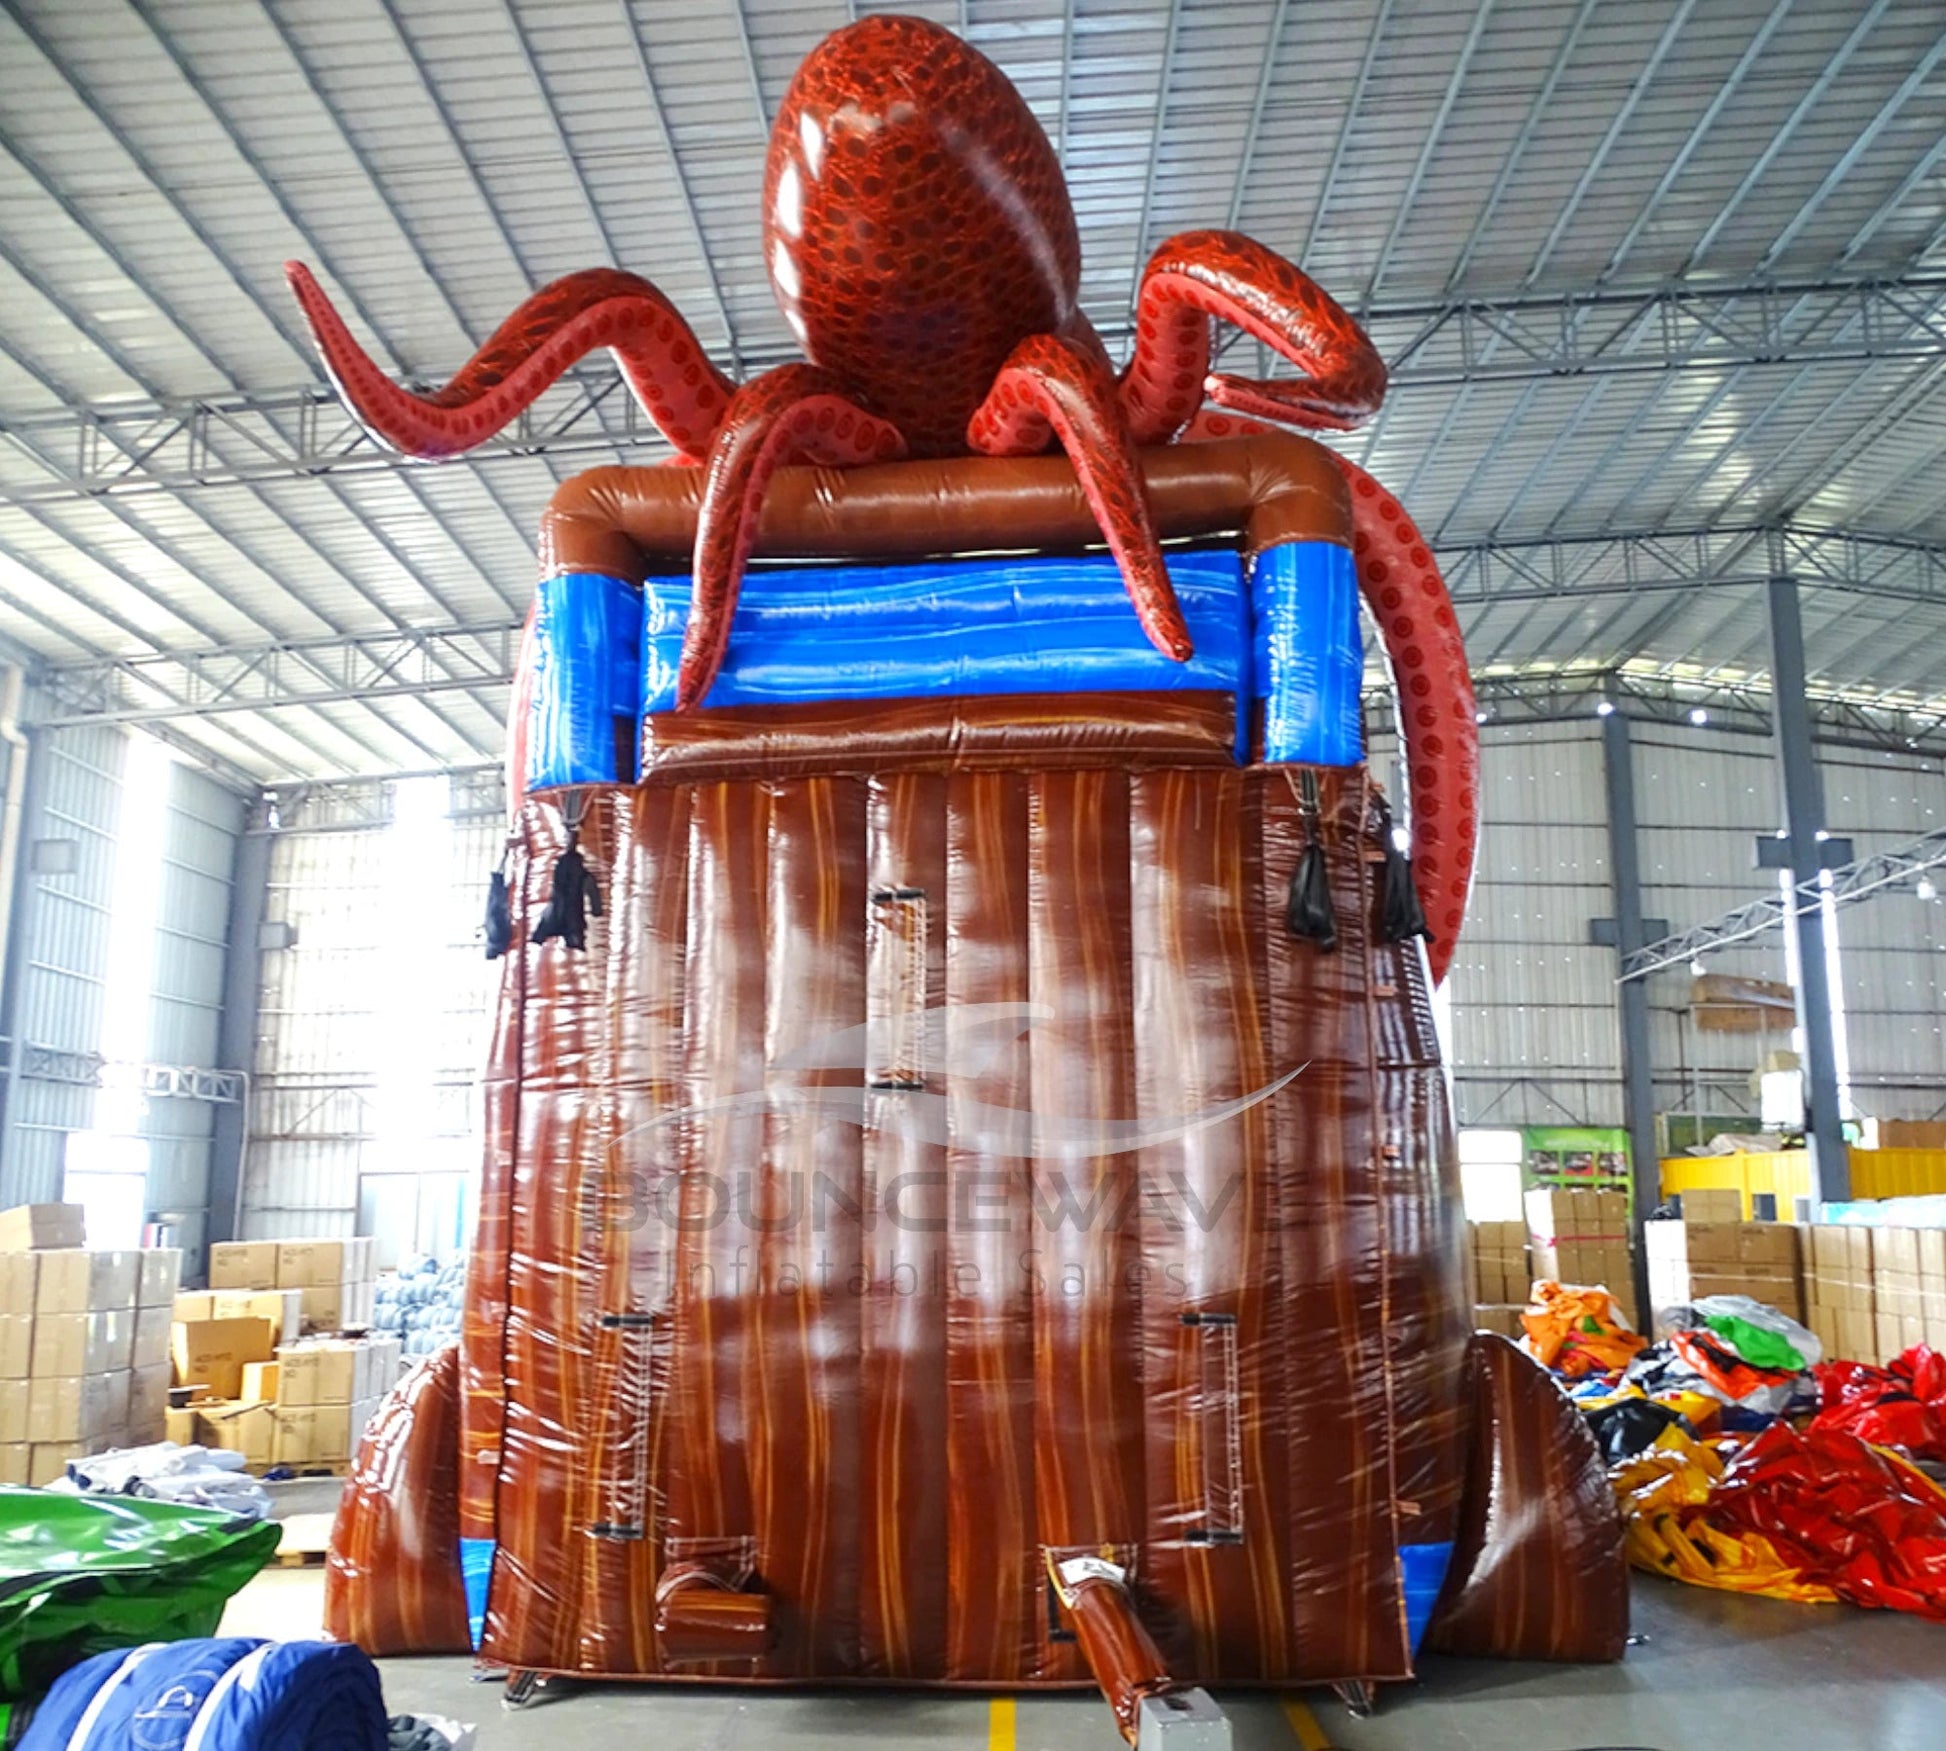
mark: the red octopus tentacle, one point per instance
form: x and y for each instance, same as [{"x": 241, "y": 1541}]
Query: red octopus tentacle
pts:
[
  {"x": 795, "y": 411},
  {"x": 1402, "y": 586},
  {"x": 663, "y": 361},
  {"x": 1056, "y": 381},
  {"x": 1200, "y": 274}
]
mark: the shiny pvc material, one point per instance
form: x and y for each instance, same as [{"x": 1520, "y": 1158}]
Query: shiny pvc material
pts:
[
  {"x": 951, "y": 628},
  {"x": 583, "y": 691},
  {"x": 1538, "y": 1571},
  {"x": 1262, "y": 489},
  {"x": 392, "y": 1582},
  {"x": 922, "y": 245},
  {"x": 1241, "y": 1377}
]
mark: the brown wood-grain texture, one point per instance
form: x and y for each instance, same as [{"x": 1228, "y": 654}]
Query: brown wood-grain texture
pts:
[
  {"x": 875, "y": 1350},
  {"x": 1538, "y": 1573}
]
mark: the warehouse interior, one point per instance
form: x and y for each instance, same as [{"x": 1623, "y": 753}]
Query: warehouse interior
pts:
[{"x": 1660, "y": 291}]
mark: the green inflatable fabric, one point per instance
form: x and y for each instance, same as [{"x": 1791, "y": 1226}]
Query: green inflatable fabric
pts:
[{"x": 82, "y": 1574}]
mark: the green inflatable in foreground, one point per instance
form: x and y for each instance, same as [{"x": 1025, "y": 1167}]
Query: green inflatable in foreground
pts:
[{"x": 82, "y": 1574}]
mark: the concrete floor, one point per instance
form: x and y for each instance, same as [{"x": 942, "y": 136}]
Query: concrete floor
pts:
[{"x": 1712, "y": 1671}]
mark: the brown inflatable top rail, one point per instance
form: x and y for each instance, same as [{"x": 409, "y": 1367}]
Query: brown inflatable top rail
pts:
[{"x": 631, "y": 522}]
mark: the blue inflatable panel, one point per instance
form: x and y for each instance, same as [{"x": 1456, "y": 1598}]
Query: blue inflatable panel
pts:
[
  {"x": 476, "y": 1572},
  {"x": 587, "y": 674},
  {"x": 605, "y": 654},
  {"x": 952, "y": 628},
  {"x": 1309, "y": 656},
  {"x": 1422, "y": 1572}
]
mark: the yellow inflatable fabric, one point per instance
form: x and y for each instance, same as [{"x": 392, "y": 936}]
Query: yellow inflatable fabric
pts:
[{"x": 1678, "y": 1473}]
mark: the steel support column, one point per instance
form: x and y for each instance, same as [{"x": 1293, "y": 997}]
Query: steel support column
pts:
[
  {"x": 1632, "y": 995},
  {"x": 1803, "y": 822},
  {"x": 236, "y": 1029}
]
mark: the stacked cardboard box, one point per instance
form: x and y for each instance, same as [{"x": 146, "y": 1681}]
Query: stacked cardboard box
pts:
[
  {"x": 1582, "y": 1237},
  {"x": 1760, "y": 1259},
  {"x": 1841, "y": 1301},
  {"x": 1875, "y": 1292},
  {"x": 84, "y": 1343},
  {"x": 332, "y": 1278},
  {"x": 1499, "y": 1275},
  {"x": 308, "y": 1408},
  {"x": 1712, "y": 1204}
]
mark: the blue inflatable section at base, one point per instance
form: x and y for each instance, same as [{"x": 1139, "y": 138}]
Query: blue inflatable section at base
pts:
[
  {"x": 1286, "y": 636},
  {"x": 1422, "y": 1572},
  {"x": 475, "y": 1571},
  {"x": 230, "y": 1693}
]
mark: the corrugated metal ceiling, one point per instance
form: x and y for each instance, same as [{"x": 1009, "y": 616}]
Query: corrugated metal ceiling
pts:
[{"x": 435, "y": 159}]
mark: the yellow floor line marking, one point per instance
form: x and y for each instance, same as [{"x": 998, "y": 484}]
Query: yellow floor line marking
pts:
[
  {"x": 1000, "y": 1724},
  {"x": 1304, "y": 1725}
]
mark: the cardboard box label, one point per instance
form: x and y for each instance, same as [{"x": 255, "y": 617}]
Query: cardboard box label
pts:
[
  {"x": 315, "y": 1264},
  {"x": 319, "y": 1373},
  {"x": 212, "y": 1352},
  {"x": 243, "y": 1264},
  {"x": 284, "y": 1308}
]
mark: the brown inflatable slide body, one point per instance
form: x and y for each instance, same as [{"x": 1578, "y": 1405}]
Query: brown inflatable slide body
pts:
[{"x": 946, "y": 1228}]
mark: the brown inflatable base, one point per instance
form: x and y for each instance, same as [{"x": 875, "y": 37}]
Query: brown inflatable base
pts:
[
  {"x": 1538, "y": 1571},
  {"x": 392, "y": 1580}
]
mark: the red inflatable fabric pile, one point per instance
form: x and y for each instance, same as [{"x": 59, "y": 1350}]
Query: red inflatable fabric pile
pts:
[
  {"x": 1860, "y": 1521},
  {"x": 1900, "y": 1405}
]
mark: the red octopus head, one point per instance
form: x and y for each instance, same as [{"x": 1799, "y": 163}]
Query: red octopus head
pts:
[{"x": 916, "y": 224}]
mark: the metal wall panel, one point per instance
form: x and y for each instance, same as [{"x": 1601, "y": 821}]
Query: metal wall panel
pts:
[
  {"x": 372, "y": 1030},
  {"x": 1534, "y": 1034},
  {"x": 62, "y": 948}
]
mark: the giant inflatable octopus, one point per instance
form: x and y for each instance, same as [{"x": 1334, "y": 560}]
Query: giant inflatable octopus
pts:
[{"x": 970, "y": 1193}]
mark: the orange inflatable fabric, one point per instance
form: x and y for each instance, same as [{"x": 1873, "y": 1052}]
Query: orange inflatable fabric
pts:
[{"x": 1578, "y": 1331}]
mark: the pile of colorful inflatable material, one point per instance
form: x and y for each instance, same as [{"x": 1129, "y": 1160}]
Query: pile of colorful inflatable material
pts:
[
  {"x": 1578, "y": 1331},
  {"x": 1902, "y": 1404},
  {"x": 1812, "y": 1516},
  {"x": 1752, "y": 1360}
]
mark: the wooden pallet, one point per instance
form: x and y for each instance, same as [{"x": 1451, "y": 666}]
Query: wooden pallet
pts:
[{"x": 306, "y": 1541}]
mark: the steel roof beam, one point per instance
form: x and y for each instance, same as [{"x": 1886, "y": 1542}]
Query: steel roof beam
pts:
[
  {"x": 135, "y": 374},
  {"x": 419, "y": 662},
  {"x": 1638, "y": 88},
  {"x": 1753, "y": 50},
  {"x": 1517, "y": 149},
  {"x": 1402, "y": 208},
  {"x": 1829, "y": 72},
  {"x": 1741, "y": 708},
  {"x": 659, "y": 115},
  {"x": 237, "y": 438},
  {"x": 1354, "y": 99},
  {"x": 1858, "y": 880},
  {"x": 157, "y": 687}
]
